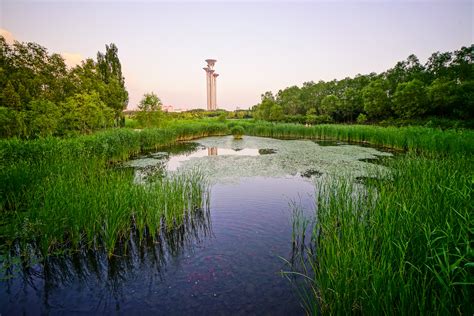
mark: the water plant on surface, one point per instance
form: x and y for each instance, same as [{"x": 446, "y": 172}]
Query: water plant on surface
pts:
[{"x": 417, "y": 139}]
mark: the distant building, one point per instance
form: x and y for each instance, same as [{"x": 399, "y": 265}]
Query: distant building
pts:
[{"x": 167, "y": 108}]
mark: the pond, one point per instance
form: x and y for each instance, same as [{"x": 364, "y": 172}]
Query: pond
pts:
[{"x": 227, "y": 260}]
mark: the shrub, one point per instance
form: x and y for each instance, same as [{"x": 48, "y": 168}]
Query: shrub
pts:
[
  {"x": 362, "y": 118},
  {"x": 237, "y": 131}
]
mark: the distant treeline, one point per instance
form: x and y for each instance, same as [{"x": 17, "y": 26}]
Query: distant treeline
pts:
[
  {"x": 41, "y": 96},
  {"x": 441, "y": 88}
]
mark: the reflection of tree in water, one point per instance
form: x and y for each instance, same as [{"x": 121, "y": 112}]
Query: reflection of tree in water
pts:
[{"x": 94, "y": 269}]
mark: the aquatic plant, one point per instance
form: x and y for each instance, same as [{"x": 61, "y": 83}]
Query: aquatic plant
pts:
[
  {"x": 412, "y": 138},
  {"x": 63, "y": 194},
  {"x": 88, "y": 206},
  {"x": 237, "y": 132},
  {"x": 402, "y": 247}
]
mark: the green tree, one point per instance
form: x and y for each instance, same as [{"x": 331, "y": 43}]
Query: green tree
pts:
[
  {"x": 437, "y": 65},
  {"x": 276, "y": 113},
  {"x": 352, "y": 103},
  {"x": 464, "y": 108},
  {"x": 150, "y": 112},
  {"x": 110, "y": 70},
  {"x": 262, "y": 111},
  {"x": 85, "y": 112},
  {"x": 10, "y": 125},
  {"x": 10, "y": 98},
  {"x": 375, "y": 99},
  {"x": 330, "y": 105},
  {"x": 362, "y": 118},
  {"x": 410, "y": 100},
  {"x": 443, "y": 96},
  {"x": 289, "y": 100},
  {"x": 43, "y": 118}
]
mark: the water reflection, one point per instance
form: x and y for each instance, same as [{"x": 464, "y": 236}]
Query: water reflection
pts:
[
  {"x": 158, "y": 163},
  {"x": 212, "y": 151},
  {"x": 93, "y": 270},
  {"x": 185, "y": 272}
]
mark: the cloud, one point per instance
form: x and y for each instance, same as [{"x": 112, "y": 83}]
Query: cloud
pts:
[
  {"x": 72, "y": 59},
  {"x": 7, "y": 35}
]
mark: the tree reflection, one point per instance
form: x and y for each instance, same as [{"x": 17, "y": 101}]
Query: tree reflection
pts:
[{"x": 94, "y": 269}]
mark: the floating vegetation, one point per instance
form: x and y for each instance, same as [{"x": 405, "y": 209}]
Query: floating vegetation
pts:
[
  {"x": 266, "y": 151},
  {"x": 311, "y": 173},
  {"x": 288, "y": 157}
]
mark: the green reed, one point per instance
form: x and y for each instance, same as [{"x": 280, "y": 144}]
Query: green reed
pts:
[
  {"x": 63, "y": 194},
  {"x": 403, "y": 138},
  {"x": 399, "y": 246},
  {"x": 395, "y": 246}
]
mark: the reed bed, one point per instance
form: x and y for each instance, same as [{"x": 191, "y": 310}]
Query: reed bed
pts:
[
  {"x": 418, "y": 139},
  {"x": 92, "y": 207},
  {"x": 404, "y": 246},
  {"x": 62, "y": 195},
  {"x": 401, "y": 247}
]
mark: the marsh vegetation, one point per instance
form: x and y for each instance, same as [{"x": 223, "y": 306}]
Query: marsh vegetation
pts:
[{"x": 369, "y": 250}]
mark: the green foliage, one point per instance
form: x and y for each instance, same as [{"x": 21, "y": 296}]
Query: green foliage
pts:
[
  {"x": 263, "y": 111},
  {"x": 150, "y": 113},
  {"x": 222, "y": 117},
  {"x": 376, "y": 101},
  {"x": 409, "y": 90},
  {"x": 38, "y": 85},
  {"x": 237, "y": 131},
  {"x": 362, "y": 118},
  {"x": 443, "y": 96},
  {"x": 43, "y": 118},
  {"x": 330, "y": 105},
  {"x": 400, "y": 245},
  {"x": 410, "y": 99},
  {"x": 10, "y": 98}
]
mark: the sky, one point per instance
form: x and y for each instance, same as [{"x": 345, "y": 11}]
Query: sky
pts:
[{"x": 259, "y": 45}]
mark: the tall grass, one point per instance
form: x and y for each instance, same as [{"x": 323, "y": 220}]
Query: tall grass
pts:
[
  {"x": 402, "y": 247},
  {"x": 418, "y": 139},
  {"x": 62, "y": 194},
  {"x": 93, "y": 207}
]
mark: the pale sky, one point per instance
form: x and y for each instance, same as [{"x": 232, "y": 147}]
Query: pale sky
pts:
[{"x": 259, "y": 45}]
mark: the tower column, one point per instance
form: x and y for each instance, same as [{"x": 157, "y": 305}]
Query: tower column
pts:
[
  {"x": 211, "y": 84},
  {"x": 208, "y": 86},
  {"x": 214, "y": 96}
]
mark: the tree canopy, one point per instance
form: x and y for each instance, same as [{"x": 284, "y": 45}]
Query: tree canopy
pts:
[
  {"x": 442, "y": 87},
  {"x": 41, "y": 96}
]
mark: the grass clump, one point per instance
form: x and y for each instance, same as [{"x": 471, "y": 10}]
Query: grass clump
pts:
[
  {"x": 411, "y": 138},
  {"x": 62, "y": 195},
  {"x": 237, "y": 132},
  {"x": 94, "y": 207},
  {"x": 402, "y": 247}
]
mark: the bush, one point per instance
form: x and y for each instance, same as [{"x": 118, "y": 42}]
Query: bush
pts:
[
  {"x": 237, "y": 131},
  {"x": 362, "y": 118}
]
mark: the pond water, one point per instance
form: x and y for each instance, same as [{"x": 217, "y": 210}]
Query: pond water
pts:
[{"x": 229, "y": 261}]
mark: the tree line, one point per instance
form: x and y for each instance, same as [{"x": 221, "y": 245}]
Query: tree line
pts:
[
  {"x": 41, "y": 96},
  {"x": 443, "y": 87}
]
